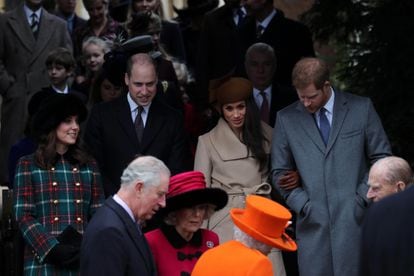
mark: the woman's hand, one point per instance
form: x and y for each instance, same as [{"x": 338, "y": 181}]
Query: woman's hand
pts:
[{"x": 290, "y": 180}]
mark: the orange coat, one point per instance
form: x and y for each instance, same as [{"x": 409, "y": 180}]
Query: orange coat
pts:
[{"x": 233, "y": 258}]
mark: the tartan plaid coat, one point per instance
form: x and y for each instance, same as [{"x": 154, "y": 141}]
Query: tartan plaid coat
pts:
[{"x": 47, "y": 201}]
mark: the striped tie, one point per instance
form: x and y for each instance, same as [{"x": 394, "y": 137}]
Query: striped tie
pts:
[{"x": 34, "y": 26}]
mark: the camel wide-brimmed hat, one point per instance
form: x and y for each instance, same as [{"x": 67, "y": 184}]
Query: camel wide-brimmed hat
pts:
[
  {"x": 265, "y": 221},
  {"x": 188, "y": 189},
  {"x": 233, "y": 90}
]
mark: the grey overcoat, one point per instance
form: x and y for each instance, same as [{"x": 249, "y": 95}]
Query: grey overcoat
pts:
[{"x": 331, "y": 201}]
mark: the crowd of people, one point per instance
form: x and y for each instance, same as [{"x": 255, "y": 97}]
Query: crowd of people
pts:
[{"x": 212, "y": 144}]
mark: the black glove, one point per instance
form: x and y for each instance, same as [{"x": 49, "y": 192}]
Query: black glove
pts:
[{"x": 64, "y": 255}]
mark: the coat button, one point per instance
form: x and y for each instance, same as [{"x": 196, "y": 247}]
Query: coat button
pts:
[
  {"x": 52, "y": 168},
  {"x": 79, "y": 219},
  {"x": 75, "y": 169},
  {"x": 77, "y": 184},
  {"x": 55, "y": 201},
  {"x": 54, "y": 183},
  {"x": 56, "y": 219},
  {"x": 78, "y": 201}
]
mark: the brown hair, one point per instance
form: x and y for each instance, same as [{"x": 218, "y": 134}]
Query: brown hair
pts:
[{"x": 309, "y": 71}]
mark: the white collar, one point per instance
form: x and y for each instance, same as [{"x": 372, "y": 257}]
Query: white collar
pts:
[{"x": 267, "y": 20}]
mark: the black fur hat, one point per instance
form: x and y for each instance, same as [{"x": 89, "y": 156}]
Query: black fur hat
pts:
[{"x": 54, "y": 110}]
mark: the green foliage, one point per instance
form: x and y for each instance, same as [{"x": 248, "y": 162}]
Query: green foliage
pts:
[{"x": 374, "y": 42}]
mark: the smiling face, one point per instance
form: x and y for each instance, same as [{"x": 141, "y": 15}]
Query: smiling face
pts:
[
  {"x": 142, "y": 83},
  {"x": 93, "y": 57},
  {"x": 98, "y": 11},
  {"x": 145, "y": 5},
  {"x": 67, "y": 133},
  {"x": 189, "y": 220},
  {"x": 234, "y": 114}
]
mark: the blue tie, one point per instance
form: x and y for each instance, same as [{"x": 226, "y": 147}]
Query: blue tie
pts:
[{"x": 324, "y": 126}]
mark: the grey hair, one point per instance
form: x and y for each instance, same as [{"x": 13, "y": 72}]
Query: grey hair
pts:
[
  {"x": 249, "y": 241},
  {"x": 395, "y": 169},
  {"x": 263, "y": 48},
  {"x": 94, "y": 40},
  {"x": 148, "y": 169}
]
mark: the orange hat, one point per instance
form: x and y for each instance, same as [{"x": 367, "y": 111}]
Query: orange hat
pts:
[{"x": 265, "y": 221}]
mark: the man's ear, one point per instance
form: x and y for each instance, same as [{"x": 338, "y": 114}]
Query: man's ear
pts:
[
  {"x": 126, "y": 79},
  {"x": 139, "y": 187},
  {"x": 400, "y": 186}
]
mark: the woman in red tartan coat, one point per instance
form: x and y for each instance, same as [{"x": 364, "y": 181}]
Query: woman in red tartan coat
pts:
[{"x": 57, "y": 189}]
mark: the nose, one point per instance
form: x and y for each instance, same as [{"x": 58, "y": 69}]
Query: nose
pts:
[
  {"x": 370, "y": 193},
  {"x": 306, "y": 102},
  {"x": 161, "y": 203}
]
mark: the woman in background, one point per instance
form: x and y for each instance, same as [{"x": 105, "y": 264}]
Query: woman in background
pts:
[
  {"x": 234, "y": 155},
  {"x": 57, "y": 189}
]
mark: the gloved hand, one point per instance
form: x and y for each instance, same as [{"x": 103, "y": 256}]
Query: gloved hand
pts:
[{"x": 64, "y": 255}]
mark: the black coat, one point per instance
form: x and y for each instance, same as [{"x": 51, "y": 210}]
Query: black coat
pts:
[
  {"x": 110, "y": 136},
  {"x": 388, "y": 237},
  {"x": 113, "y": 245},
  {"x": 219, "y": 49},
  {"x": 290, "y": 40}
]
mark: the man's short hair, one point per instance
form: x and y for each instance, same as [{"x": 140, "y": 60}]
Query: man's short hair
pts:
[
  {"x": 148, "y": 169},
  {"x": 395, "y": 169},
  {"x": 309, "y": 71},
  {"x": 263, "y": 48},
  {"x": 141, "y": 59}
]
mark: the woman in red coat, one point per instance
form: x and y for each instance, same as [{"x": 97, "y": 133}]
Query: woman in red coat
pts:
[{"x": 179, "y": 242}]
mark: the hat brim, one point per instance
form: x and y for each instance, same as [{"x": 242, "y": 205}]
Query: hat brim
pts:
[
  {"x": 285, "y": 242},
  {"x": 214, "y": 196}
]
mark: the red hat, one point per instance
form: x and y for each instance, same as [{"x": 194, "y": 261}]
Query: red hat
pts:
[
  {"x": 265, "y": 221},
  {"x": 189, "y": 189}
]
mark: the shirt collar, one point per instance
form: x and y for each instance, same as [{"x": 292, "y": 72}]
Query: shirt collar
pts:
[
  {"x": 133, "y": 105},
  {"x": 125, "y": 206},
  {"x": 330, "y": 103},
  {"x": 64, "y": 91},
  {"x": 267, "y": 90},
  {"x": 267, "y": 20},
  {"x": 29, "y": 12}
]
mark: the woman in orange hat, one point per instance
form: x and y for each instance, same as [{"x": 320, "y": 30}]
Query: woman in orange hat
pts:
[
  {"x": 234, "y": 155},
  {"x": 258, "y": 228},
  {"x": 179, "y": 242}
]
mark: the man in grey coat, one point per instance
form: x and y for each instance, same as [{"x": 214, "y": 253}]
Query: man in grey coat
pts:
[
  {"x": 27, "y": 35},
  {"x": 331, "y": 138}
]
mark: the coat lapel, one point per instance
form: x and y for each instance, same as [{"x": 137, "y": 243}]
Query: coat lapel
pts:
[
  {"x": 44, "y": 35},
  {"x": 155, "y": 121},
  {"x": 123, "y": 115},
  {"x": 135, "y": 234},
  {"x": 20, "y": 26},
  {"x": 308, "y": 124},
  {"x": 339, "y": 113}
]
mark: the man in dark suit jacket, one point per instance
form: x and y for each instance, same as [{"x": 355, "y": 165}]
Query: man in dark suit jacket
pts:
[
  {"x": 23, "y": 52},
  {"x": 219, "y": 47},
  {"x": 113, "y": 134},
  {"x": 260, "y": 63},
  {"x": 290, "y": 39},
  {"x": 65, "y": 9},
  {"x": 113, "y": 243},
  {"x": 388, "y": 237}
]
